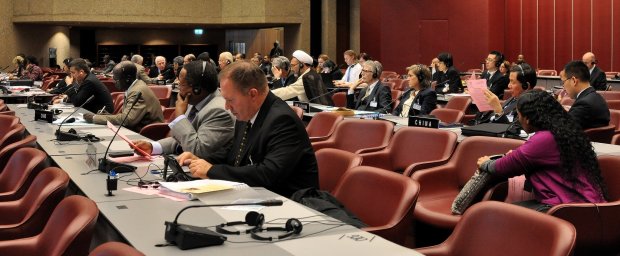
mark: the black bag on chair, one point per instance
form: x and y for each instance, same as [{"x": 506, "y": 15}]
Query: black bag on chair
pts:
[{"x": 327, "y": 204}]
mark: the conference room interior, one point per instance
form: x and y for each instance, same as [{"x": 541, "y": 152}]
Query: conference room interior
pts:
[{"x": 400, "y": 181}]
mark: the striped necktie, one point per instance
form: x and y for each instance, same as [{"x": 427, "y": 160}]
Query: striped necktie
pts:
[{"x": 243, "y": 143}]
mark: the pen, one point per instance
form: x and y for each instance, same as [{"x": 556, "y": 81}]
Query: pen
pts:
[{"x": 101, "y": 110}]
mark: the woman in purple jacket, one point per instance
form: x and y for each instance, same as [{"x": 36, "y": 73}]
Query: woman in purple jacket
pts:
[{"x": 558, "y": 161}]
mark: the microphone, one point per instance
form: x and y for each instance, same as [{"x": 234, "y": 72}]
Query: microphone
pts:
[
  {"x": 104, "y": 164},
  {"x": 190, "y": 237},
  {"x": 384, "y": 109},
  {"x": 328, "y": 92},
  {"x": 67, "y": 136}
]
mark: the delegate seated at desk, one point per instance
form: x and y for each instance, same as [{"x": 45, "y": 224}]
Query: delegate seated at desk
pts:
[
  {"x": 419, "y": 99},
  {"x": 136, "y": 114},
  {"x": 270, "y": 149},
  {"x": 589, "y": 109},
  {"x": 207, "y": 127},
  {"x": 375, "y": 96},
  {"x": 309, "y": 86},
  {"x": 87, "y": 85}
]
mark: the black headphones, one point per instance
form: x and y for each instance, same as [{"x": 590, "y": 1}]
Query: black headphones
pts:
[
  {"x": 521, "y": 78},
  {"x": 196, "y": 89},
  {"x": 87, "y": 137},
  {"x": 420, "y": 74},
  {"x": 254, "y": 219},
  {"x": 377, "y": 69},
  {"x": 292, "y": 227},
  {"x": 499, "y": 58}
]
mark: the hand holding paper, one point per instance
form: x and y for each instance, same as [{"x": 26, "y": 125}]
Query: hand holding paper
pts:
[
  {"x": 476, "y": 90},
  {"x": 139, "y": 150}
]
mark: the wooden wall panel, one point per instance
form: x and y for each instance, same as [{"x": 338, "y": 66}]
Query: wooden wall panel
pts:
[
  {"x": 512, "y": 39},
  {"x": 582, "y": 28},
  {"x": 563, "y": 33},
  {"x": 546, "y": 38},
  {"x": 615, "y": 39},
  {"x": 601, "y": 32}
]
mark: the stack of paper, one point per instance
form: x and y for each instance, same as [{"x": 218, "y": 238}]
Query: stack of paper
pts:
[{"x": 188, "y": 189}]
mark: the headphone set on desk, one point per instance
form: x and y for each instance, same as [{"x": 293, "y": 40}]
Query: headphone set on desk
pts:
[{"x": 256, "y": 220}]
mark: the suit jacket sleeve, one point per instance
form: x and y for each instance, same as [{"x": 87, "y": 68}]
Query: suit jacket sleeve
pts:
[
  {"x": 384, "y": 99},
  {"x": 454, "y": 80},
  {"x": 352, "y": 101},
  {"x": 579, "y": 111},
  {"x": 429, "y": 102},
  {"x": 141, "y": 109},
  {"x": 84, "y": 92},
  {"x": 499, "y": 85},
  {"x": 215, "y": 132},
  {"x": 283, "y": 151},
  {"x": 600, "y": 81},
  {"x": 296, "y": 89}
]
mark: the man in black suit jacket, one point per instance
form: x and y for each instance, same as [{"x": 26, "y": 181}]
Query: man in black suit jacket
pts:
[
  {"x": 598, "y": 79},
  {"x": 282, "y": 75},
  {"x": 496, "y": 81},
  {"x": 450, "y": 80},
  {"x": 375, "y": 96},
  {"x": 589, "y": 109},
  {"x": 87, "y": 85},
  {"x": 270, "y": 148},
  {"x": 161, "y": 71}
]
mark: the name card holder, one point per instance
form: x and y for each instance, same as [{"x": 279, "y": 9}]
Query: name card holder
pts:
[
  {"x": 303, "y": 105},
  {"x": 44, "y": 115},
  {"x": 427, "y": 122}
]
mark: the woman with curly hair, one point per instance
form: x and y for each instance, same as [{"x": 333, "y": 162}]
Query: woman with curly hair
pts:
[{"x": 558, "y": 161}]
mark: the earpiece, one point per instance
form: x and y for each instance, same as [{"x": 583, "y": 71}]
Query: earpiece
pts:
[
  {"x": 252, "y": 218},
  {"x": 420, "y": 74},
  {"x": 292, "y": 227},
  {"x": 521, "y": 78}
]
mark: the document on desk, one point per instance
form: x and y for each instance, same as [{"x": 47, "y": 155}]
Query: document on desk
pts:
[
  {"x": 79, "y": 120},
  {"x": 476, "y": 89},
  {"x": 189, "y": 189}
]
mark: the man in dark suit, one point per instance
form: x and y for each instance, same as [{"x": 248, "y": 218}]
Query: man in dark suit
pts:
[
  {"x": 375, "y": 96},
  {"x": 87, "y": 85},
  {"x": 590, "y": 109},
  {"x": 161, "y": 71},
  {"x": 435, "y": 73},
  {"x": 598, "y": 79},
  {"x": 496, "y": 81},
  {"x": 282, "y": 75},
  {"x": 270, "y": 148}
]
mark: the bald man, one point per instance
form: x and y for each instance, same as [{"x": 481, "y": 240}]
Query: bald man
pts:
[{"x": 598, "y": 80}]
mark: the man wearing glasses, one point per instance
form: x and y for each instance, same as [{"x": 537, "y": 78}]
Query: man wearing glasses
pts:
[
  {"x": 496, "y": 81},
  {"x": 590, "y": 109}
]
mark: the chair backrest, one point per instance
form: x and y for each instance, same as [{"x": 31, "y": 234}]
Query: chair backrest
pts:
[
  {"x": 404, "y": 85},
  {"x": 118, "y": 104},
  {"x": 27, "y": 216},
  {"x": 162, "y": 93},
  {"x": 8, "y": 122},
  {"x": 601, "y": 134},
  {"x": 435, "y": 143},
  {"x": 547, "y": 72},
  {"x": 458, "y": 103},
  {"x": 340, "y": 99},
  {"x": 13, "y": 135},
  {"x": 115, "y": 249},
  {"x": 355, "y": 134},
  {"x": 7, "y": 113},
  {"x": 323, "y": 124},
  {"x": 6, "y": 152},
  {"x": 169, "y": 114},
  {"x": 299, "y": 111},
  {"x": 447, "y": 115},
  {"x": 613, "y": 104},
  {"x": 396, "y": 93},
  {"x": 387, "y": 209},
  {"x": 332, "y": 164},
  {"x": 110, "y": 84},
  {"x": 610, "y": 95},
  {"x": 598, "y": 225},
  {"x": 115, "y": 96},
  {"x": 155, "y": 131},
  {"x": 614, "y": 118},
  {"x": 492, "y": 228},
  {"x": 20, "y": 171}
]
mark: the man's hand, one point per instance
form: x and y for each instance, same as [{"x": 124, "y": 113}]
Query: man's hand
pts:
[
  {"x": 69, "y": 80},
  {"x": 277, "y": 73},
  {"x": 58, "y": 99},
  {"x": 199, "y": 168},
  {"x": 493, "y": 101},
  {"x": 181, "y": 104},
  {"x": 144, "y": 145},
  {"x": 186, "y": 157},
  {"x": 160, "y": 77},
  {"x": 88, "y": 117}
]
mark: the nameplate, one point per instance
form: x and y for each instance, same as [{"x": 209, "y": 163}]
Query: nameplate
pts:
[
  {"x": 303, "y": 105},
  {"x": 161, "y": 82},
  {"x": 427, "y": 122},
  {"x": 44, "y": 115}
]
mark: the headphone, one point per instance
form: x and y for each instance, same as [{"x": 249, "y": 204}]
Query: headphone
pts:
[
  {"x": 125, "y": 77},
  {"x": 420, "y": 74},
  {"x": 521, "y": 78},
  {"x": 377, "y": 69},
  {"x": 292, "y": 227},
  {"x": 87, "y": 137},
  {"x": 252, "y": 218},
  {"x": 196, "y": 88}
]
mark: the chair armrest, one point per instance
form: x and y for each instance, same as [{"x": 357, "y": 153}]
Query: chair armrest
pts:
[
  {"x": 423, "y": 165},
  {"x": 499, "y": 192},
  {"x": 368, "y": 150},
  {"x": 436, "y": 180},
  {"x": 380, "y": 159},
  {"x": 318, "y": 138},
  {"x": 322, "y": 144},
  {"x": 440, "y": 249}
]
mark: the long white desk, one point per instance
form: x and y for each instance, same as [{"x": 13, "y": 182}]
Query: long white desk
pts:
[{"x": 139, "y": 219}]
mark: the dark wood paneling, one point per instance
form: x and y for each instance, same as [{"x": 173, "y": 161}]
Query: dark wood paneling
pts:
[{"x": 530, "y": 33}]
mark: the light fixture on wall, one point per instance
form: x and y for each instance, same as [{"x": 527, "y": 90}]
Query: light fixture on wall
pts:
[{"x": 198, "y": 31}]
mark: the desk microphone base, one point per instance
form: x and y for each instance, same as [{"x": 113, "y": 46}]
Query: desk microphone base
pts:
[
  {"x": 190, "y": 237},
  {"x": 105, "y": 165}
]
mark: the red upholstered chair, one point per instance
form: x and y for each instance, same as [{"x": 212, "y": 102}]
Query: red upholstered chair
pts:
[
  {"x": 298, "y": 111},
  {"x": 110, "y": 84},
  {"x": 495, "y": 228},
  {"x": 7, "y": 113},
  {"x": 26, "y": 216},
  {"x": 613, "y": 104},
  {"x": 614, "y": 119},
  {"x": 322, "y": 125},
  {"x": 601, "y": 134},
  {"x": 7, "y": 122},
  {"x": 68, "y": 231},
  {"x": 615, "y": 139},
  {"x": 442, "y": 183},
  {"x": 6, "y": 152},
  {"x": 447, "y": 115},
  {"x": 162, "y": 93},
  {"x": 404, "y": 153},
  {"x": 155, "y": 131},
  {"x": 16, "y": 133},
  {"x": 610, "y": 95},
  {"x": 598, "y": 225},
  {"x": 387, "y": 74},
  {"x": 169, "y": 114},
  {"x": 333, "y": 163},
  {"x": 340, "y": 99},
  {"x": 118, "y": 103},
  {"x": 397, "y": 84},
  {"x": 115, "y": 96},
  {"x": 396, "y": 94},
  {"x": 115, "y": 249},
  {"x": 383, "y": 200},
  {"x": 404, "y": 85},
  {"x": 458, "y": 103},
  {"x": 19, "y": 171},
  {"x": 547, "y": 72},
  {"x": 357, "y": 135}
]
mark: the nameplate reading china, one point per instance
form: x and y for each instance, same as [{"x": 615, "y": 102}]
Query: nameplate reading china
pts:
[
  {"x": 303, "y": 105},
  {"x": 44, "y": 115},
  {"x": 423, "y": 122}
]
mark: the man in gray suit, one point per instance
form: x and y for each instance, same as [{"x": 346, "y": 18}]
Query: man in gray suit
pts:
[
  {"x": 138, "y": 59},
  {"x": 203, "y": 126}
]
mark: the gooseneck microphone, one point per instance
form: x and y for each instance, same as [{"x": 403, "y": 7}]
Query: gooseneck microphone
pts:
[
  {"x": 67, "y": 136},
  {"x": 189, "y": 237},
  {"x": 104, "y": 164},
  {"x": 321, "y": 95}
]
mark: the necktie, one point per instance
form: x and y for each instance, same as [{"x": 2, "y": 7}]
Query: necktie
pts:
[
  {"x": 347, "y": 79},
  {"x": 192, "y": 114},
  {"x": 368, "y": 90},
  {"x": 242, "y": 144}
]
